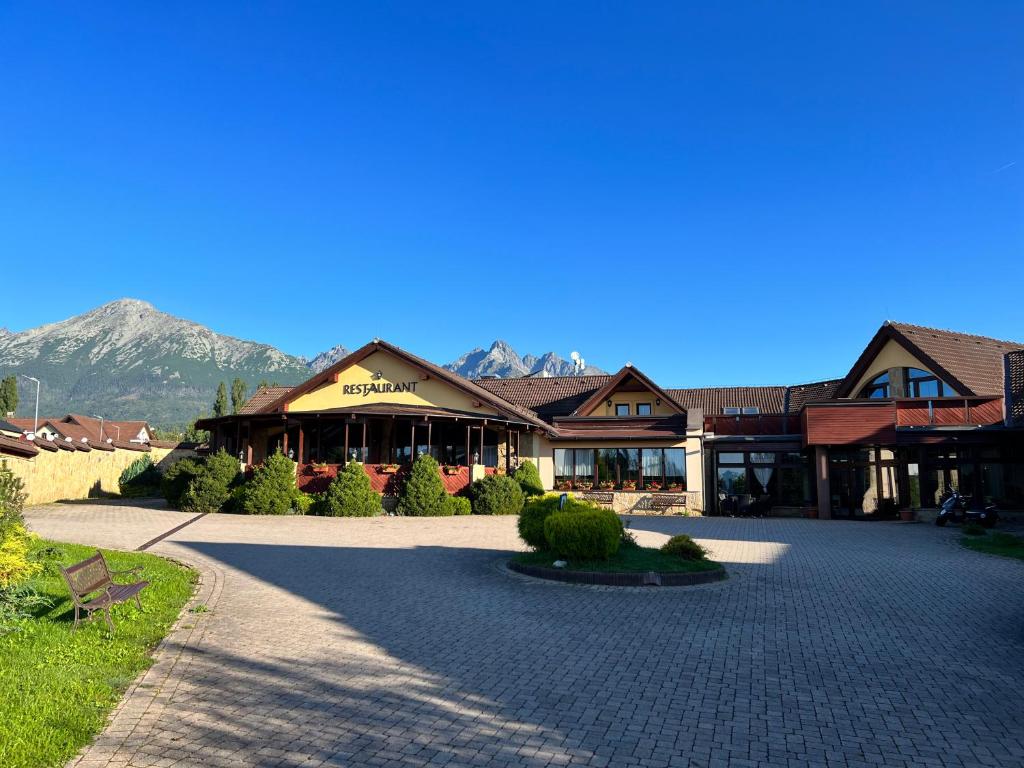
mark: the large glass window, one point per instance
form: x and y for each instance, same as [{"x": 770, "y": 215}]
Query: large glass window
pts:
[
  {"x": 607, "y": 467},
  {"x": 653, "y": 466},
  {"x": 622, "y": 409},
  {"x": 732, "y": 481},
  {"x": 585, "y": 467},
  {"x": 643, "y": 409},
  {"x": 877, "y": 388},
  {"x": 563, "y": 466},
  {"x": 675, "y": 468},
  {"x": 924, "y": 384}
]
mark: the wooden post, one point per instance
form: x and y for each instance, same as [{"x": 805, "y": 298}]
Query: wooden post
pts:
[
  {"x": 344, "y": 458},
  {"x": 508, "y": 448},
  {"x": 362, "y": 449},
  {"x": 302, "y": 441},
  {"x": 430, "y": 429},
  {"x": 412, "y": 439},
  {"x": 284, "y": 450},
  {"x": 468, "y": 454},
  {"x": 482, "y": 445}
]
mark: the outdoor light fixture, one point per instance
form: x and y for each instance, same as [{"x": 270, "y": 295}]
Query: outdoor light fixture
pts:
[
  {"x": 353, "y": 454},
  {"x": 608, "y": 403},
  {"x": 241, "y": 456},
  {"x": 657, "y": 401},
  {"x": 291, "y": 453},
  {"x": 476, "y": 457}
]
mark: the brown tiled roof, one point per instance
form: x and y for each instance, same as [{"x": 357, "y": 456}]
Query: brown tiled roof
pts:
[
  {"x": 814, "y": 392},
  {"x": 1015, "y": 387},
  {"x": 45, "y": 445},
  {"x": 28, "y": 424},
  {"x": 977, "y": 361},
  {"x": 261, "y": 398},
  {"x": 546, "y": 396},
  {"x": 112, "y": 428},
  {"x": 713, "y": 400},
  {"x": 17, "y": 446}
]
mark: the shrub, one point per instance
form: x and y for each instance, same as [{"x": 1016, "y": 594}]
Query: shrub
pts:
[
  {"x": 972, "y": 529},
  {"x": 684, "y": 547},
  {"x": 424, "y": 494},
  {"x": 460, "y": 505},
  {"x": 223, "y": 467},
  {"x": 537, "y": 510},
  {"x": 302, "y": 502},
  {"x": 14, "y": 539},
  {"x": 528, "y": 478},
  {"x": 177, "y": 478},
  {"x": 140, "y": 478},
  {"x": 593, "y": 534},
  {"x": 497, "y": 495},
  {"x": 204, "y": 494},
  {"x": 271, "y": 491},
  {"x": 350, "y": 494}
]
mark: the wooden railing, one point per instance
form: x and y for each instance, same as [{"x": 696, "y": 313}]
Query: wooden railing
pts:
[
  {"x": 753, "y": 424},
  {"x": 949, "y": 412}
]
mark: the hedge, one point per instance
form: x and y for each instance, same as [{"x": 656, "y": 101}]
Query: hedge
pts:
[
  {"x": 593, "y": 534},
  {"x": 497, "y": 495}
]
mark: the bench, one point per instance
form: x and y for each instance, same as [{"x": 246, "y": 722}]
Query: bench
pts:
[
  {"x": 598, "y": 497},
  {"x": 93, "y": 588},
  {"x": 660, "y": 502}
]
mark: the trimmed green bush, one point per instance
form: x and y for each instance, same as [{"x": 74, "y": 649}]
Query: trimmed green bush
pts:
[
  {"x": 176, "y": 480},
  {"x": 424, "y": 494},
  {"x": 537, "y": 510},
  {"x": 350, "y": 494},
  {"x": 303, "y": 502},
  {"x": 15, "y": 566},
  {"x": 140, "y": 478},
  {"x": 528, "y": 477},
  {"x": 497, "y": 495},
  {"x": 222, "y": 467},
  {"x": 271, "y": 491},
  {"x": 684, "y": 547},
  {"x": 210, "y": 488},
  {"x": 460, "y": 505},
  {"x": 593, "y": 534}
]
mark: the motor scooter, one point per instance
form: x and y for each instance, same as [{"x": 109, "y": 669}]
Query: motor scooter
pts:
[{"x": 959, "y": 509}]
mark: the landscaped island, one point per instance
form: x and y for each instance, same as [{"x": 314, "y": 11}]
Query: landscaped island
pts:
[{"x": 590, "y": 545}]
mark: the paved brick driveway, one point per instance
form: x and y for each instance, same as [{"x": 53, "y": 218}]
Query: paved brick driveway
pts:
[{"x": 401, "y": 642}]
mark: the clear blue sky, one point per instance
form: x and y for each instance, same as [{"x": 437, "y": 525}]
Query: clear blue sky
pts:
[{"x": 721, "y": 195}]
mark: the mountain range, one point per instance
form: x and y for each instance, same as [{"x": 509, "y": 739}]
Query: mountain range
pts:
[{"x": 129, "y": 360}]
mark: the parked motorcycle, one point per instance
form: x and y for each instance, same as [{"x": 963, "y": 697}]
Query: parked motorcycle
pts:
[{"x": 959, "y": 509}]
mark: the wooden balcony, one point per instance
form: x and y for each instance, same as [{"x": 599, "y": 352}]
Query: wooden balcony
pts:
[{"x": 753, "y": 424}]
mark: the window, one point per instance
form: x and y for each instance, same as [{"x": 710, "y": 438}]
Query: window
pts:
[
  {"x": 563, "y": 466},
  {"x": 751, "y": 410},
  {"x": 877, "y": 388},
  {"x": 730, "y": 410},
  {"x": 923, "y": 384},
  {"x": 622, "y": 409},
  {"x": 675, "y": 468},
  {"x": 643, "y": 409}
]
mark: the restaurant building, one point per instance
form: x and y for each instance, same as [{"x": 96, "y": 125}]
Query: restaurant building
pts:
[{"x": 920, "y": 409}]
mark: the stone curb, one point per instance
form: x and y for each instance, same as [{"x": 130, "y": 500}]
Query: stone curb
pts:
[{"x": 648, "y": 579}]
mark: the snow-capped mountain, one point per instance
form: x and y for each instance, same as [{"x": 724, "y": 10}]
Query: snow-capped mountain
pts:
[{"x": 501, "y": 360}]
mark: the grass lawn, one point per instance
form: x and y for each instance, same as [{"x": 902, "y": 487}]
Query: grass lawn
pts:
[
  {"x": 627, "y": 560},
  {"x": 997, "y": 543},
  {"x": 57, "y": 688}
]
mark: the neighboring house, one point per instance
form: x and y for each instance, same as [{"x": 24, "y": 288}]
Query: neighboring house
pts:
[
  {"x": 77, "y": 426},
  {"x": 920, "y": 410},
  {"x": 10, "y": 430}
]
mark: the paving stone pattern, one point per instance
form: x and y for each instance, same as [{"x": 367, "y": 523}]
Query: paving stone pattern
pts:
[{"x": 404, "y": 642}]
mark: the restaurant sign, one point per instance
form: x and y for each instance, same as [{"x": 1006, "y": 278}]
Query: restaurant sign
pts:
[{"x": 378, "y": 388}]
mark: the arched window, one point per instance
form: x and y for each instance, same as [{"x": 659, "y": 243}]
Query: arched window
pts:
[
  {"x": 877, "y": 388},
  {"x": 924, "y": 384}
]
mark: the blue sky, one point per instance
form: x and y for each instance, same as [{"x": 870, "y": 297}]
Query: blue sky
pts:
[{"x": 722, "y": 195}]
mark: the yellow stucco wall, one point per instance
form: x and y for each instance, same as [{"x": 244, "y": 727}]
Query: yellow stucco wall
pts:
[
  {"x": 892, "y": 355},
  {"x": 415, "y": 391},
  {"x": 631, "y": 398},
  {"x": 63, "y": 475}
]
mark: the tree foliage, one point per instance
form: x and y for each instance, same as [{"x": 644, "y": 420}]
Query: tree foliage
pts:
[
  {"x": 272, "y": 490},
  {"x": 239, "y": 391},
  {"x": 350, "y": 494},
  {"x": 220, "y": 404},
  {"x": 528, "y": 477},
  {"x": 14, "y": 539},
  {"x": 8, "y": 395},
  {"x": 424, "y": 494}
]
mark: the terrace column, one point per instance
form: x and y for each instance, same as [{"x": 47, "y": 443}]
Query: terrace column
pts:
[{"x": 821, "y": 477}]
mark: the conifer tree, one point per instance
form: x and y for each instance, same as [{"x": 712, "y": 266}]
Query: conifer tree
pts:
[
  {"x": 238, "y": 395},
  {"x": 220, "y": 405}
]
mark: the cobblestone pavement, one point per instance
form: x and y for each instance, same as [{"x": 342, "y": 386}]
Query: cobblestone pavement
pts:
[{"x": 403, "y": 642}]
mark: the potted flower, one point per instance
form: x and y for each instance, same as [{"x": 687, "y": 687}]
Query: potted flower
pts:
[
  {"x": 499, "y": 471},
  {"x": 451, "y": 469},
  {"x": 654, "y": 486},
  {"x": 907, "y": 515},
  {"x": 675, "y": 487},
  {"x": 321, "y": 468},
  {"x": 607, "y": 485},
  {"x": 388, "y": 469},
  {"x": 629, "y": 485},
  {"x": 584, "y": 485},
  {"x": 564, "y": 485}
]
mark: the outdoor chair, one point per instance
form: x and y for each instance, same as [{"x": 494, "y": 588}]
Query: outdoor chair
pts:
[{"x": 93, "y": 588}]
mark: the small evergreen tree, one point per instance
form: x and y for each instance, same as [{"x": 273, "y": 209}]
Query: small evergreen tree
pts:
[
  {"x": 220, "y": 405},
  {"x": 272, "y": 489},
  {"x": 210, "y": 490},
  {"x": 238, "y": 395},
  {"x": 177, "y": 479},
  {"x": 497, "y": 495},
  {"x": 350, "y": 494},
  {"x": 424, "y": 494},
  {"x": 8, "y": 395},
  {"x": 528, "y": 477},
  {"x": 14, "y": 539}
]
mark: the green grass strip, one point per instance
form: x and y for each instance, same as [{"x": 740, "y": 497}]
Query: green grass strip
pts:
[
  {"x": 58, "y": 687},
  {"x": 629, "y": 559},
  {"x": 996, "y": 543}
]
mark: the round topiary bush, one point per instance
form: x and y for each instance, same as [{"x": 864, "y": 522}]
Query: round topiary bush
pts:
[
  {"x": 684, "y": 547},
  {"x": 350, "y": 494},
  {"x": 537, "y": 510},
  {"x": 497, "y": 495},
  {"x": 424, "y": 494},
  {"x": 528, "y": 477},
  {"x": 592, "y": 534},
  {"x": 460, "y": 505}
]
